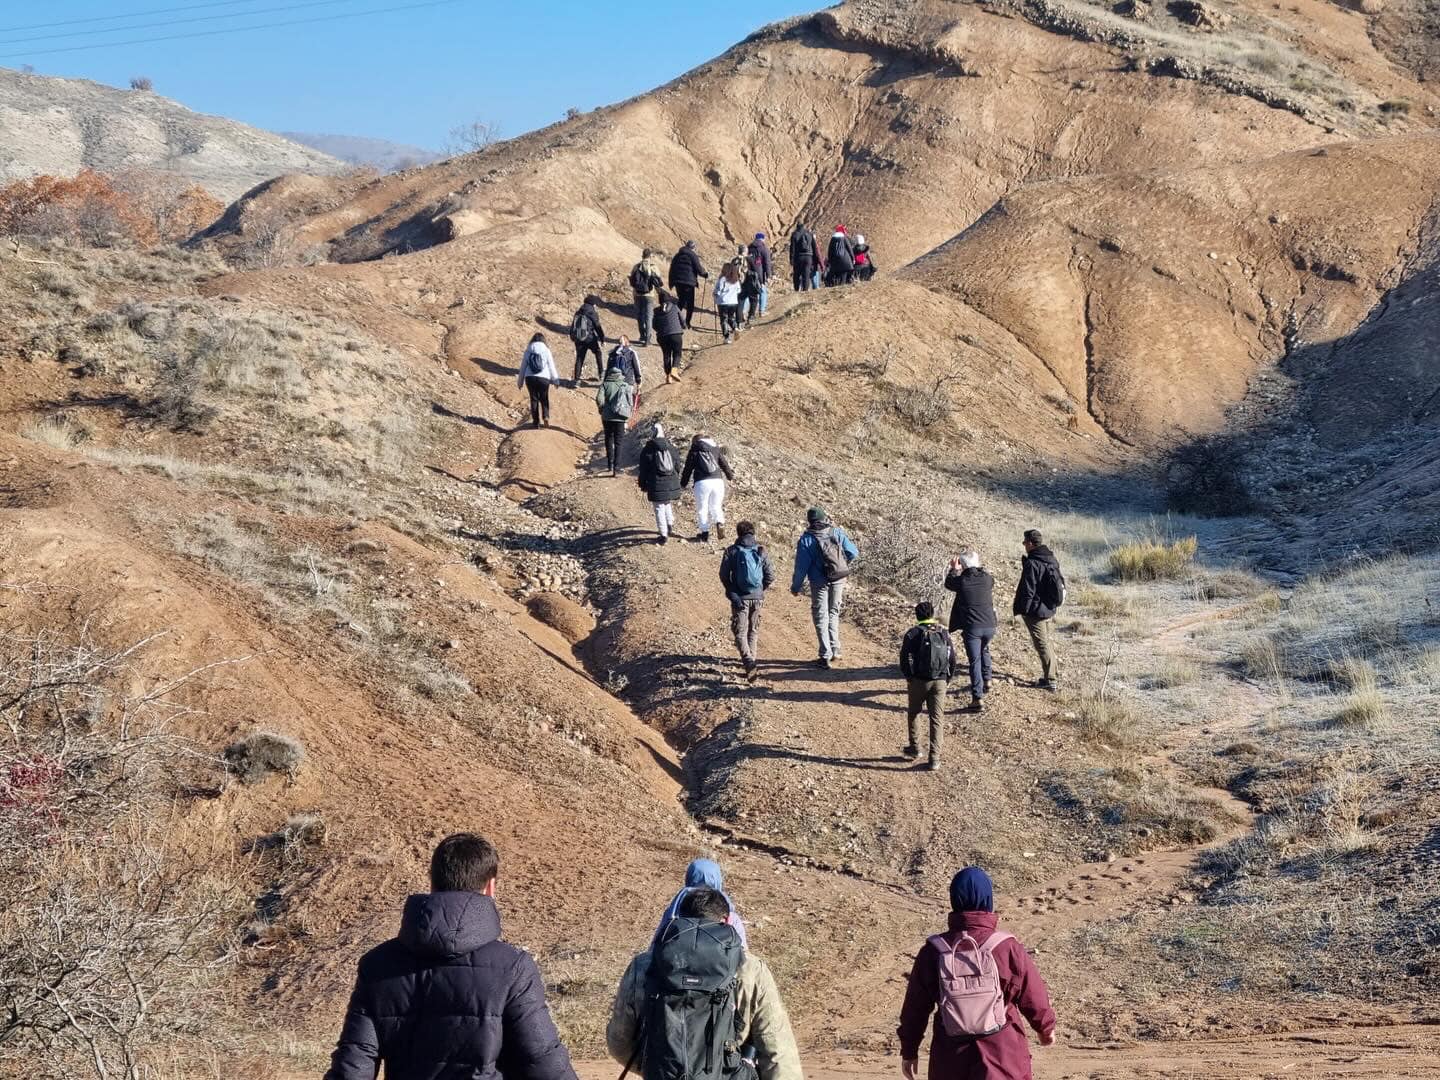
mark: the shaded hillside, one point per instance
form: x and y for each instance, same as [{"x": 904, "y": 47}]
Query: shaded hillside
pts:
[{"x": 60, "y": 126}]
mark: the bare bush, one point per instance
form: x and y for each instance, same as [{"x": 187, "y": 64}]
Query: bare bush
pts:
[
  {"x": 471, "y": 138},
  {"x": 1207, "y": 477},
  {"x": 142, "y": 82},
  {"x": 263, "y": 753}
]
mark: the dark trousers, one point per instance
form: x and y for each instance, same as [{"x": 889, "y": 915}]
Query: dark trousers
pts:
[
  {"x": 927, "y": 694},
  {"x": 977, "y": 653},
  {"x": 670, "y": 348},
  {"x": 644, "y": 313},
  {"x": 685, "y": 300},
  {"x": 729, "y": 318},
  {"x": 614, "y": 434},
  {"x": 583, "y": 347},
  {"x": 804, "y": 273},
  {"x": 749, "y": 306},
  {"x": 1040, "y": 638},
  {"x": 539, "y": 388}
]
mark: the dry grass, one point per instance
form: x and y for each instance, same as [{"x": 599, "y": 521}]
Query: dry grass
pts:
[
  {"x": 1103, "y": 603},
  {"x": 1153, "y": 560},
  {"x": 1174, "y": 671}
]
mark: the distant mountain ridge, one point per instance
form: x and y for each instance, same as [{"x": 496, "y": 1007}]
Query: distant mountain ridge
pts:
[
  {"x": 381, "y": 154},
  {"x": 60, "y": 126}
]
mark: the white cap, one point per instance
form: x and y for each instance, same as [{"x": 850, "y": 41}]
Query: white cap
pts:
[{"x": 860, "y": 239}]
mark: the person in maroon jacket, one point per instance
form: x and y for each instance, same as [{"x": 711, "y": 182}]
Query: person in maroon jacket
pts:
[{"x": 1005, "y": 1055}]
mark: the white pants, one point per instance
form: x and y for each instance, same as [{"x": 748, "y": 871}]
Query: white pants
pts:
[
  {"x": 710, "y": 502},
  {"x": 664, "y": 517}
]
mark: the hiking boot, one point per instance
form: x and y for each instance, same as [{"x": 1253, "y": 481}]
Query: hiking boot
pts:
[
  {"x": 933, "y": 765},
  {"x": 702, "y": 537},
  {"x": 751, "y": 673},
  {"x": 720, "y": 530},
  {"x": 1048, "y": 684},
  {"x": 823, "y": 662},
  {"x": 662, "y": 540},
  {"x": 977, "y": 704},
  {"x": 677, "y": 374},
  {"x": 911, "y": 752},
  {"x": 727, "y": 339}
]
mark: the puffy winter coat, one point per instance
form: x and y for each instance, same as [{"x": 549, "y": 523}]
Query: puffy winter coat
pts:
[
  {"x": 668, "y": 320},
  {"x": 1004, "y": 1055},
  {"x": 760, "y": 1019},
  {"x": 1033, "y": 569},
  {"x": 624, "y": 358},
  {"x": 660, "y": 487},
  {"x": 686, "y": 268},
  {"x": 974, "y": 607},
  {"x": 447, "y": 998},
  {"x": 802, "y": 247},
  {"x": 841, "y": 255}
]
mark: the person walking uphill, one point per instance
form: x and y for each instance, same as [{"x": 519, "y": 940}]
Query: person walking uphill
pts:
[
  {"x": 804, "y": 257},
  {"x": 707, "y": 466},
  {"x": 982, "y": 986},
  {"x": 760, "y": 258},
  {"x": 927, "y": 660},
  {"x": 746, "y": 572},
  {"x": 973, "y": 617},
  {"x": 537, "y": 374},
  {"x": 823, "y": 557},
  {"x": 588, "y": 335},
  {"x": 698, "y": 1003},
  {"x": 727, "y": 299},
  {"x": 616, "y": 401},
  {"x": 670, "y": 329},
  {"x": 644, "y": 283},
  {"x": 659, "y": 477},
  {"x": 686, "y": 270},
  {"x": 623, "y": 357},
  {"x": 1038, "y": 597},
  {"x": 447, "y": 997}
]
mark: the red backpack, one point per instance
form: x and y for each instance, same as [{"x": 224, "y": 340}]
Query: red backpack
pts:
[{"x": 972, "y": 1001}]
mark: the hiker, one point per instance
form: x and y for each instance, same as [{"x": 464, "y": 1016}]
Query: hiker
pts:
[
  {"x": 686, "y": 271},
  {"x": 670, "y": 330},
  {"x": 1038, "y": 595},
  {"x": 673, "y": 1016},
  {"x": 927, "y": 660},
  {"x": 701, "y": 874},
  {"x": 822, "y": 557},
  {"x": 840, "y": 259},
  {"x": 746, "y": 572},
  {"x": 537, "y": 374},
  {"x": 447, "y": 997},
  {"x": 864, "y": 261},
  {"x": 706, "y": 464},
  {"x": 587, "y": 334},
  {"x": 727, "y": 299},
  {"x": 659, "y": 477},
  {"x": 616, "y": 401},
  {"x": 644, "y": 282},
  {"x": 759, "y": 252},
  {"x": 623, "y": 357},
  {"x": 979, "y": 981},
  {"x": 973, "y": 617},
  {"x": 750, "y": 289},
  {"x": 804, "y": 257}
]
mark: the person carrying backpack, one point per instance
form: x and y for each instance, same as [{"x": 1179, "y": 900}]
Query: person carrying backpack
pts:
[
  {"x": 686, "y": 270},
  {"x": 537, "y": 374},
  {"x": 701, "y": 874},
  {"x": 804, "y": 257},
  {"x": 1038, "y": 596},
  {"x": 699, "y": 1005},
  {"x": 746, "y": 572},
  {"x": 823, "y": 557},
  {"x": 644, "y": 282},
  {"x": 982, "y": 986},
  {"x": 864, "y": 261},
  {"x": 927, "y": 660},
  {"x": 707, "y": 466},
  {"x": 616, "y": 401},
  {"x": 659, "y": 477},
  {"x": 670, "y": 329},
  {"x": 750, "y": 288},
  {"x": 759, "y": 252},
  {"x": 840, "y": 259},
  {"x": 623, "y": 357},
  {"x": 727, "y": 300},
  {"x": 588, "y": 335},
  {"x": 973, "y": 617}
]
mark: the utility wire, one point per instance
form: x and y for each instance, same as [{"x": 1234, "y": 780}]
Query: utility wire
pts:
[
  {"x": 227, "y": 30},
  {"x": 173, "y": 22},
  {"x": 127, "y": 15}
]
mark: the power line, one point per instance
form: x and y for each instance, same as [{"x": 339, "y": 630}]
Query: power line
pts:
[
  {"x": 227, "y": 30},
  {"x": 127, "y": 15},
  {"x": 175, "y": 22}
]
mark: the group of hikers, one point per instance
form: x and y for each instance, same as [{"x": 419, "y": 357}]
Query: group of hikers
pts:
[
  {"x": 448, "y": 997},
  {"x": 846, "y": 259}
]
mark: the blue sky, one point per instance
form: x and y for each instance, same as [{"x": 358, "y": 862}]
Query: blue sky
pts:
[{"x": 407, "y": 75}]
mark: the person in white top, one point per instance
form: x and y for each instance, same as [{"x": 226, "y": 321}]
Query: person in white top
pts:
[{"x": 538, "y": 374}]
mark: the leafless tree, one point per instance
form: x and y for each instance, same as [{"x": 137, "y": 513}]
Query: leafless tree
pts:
[{"x": 472, "y": 137}]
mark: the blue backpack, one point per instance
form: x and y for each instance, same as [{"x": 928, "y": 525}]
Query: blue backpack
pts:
[{"x": 748, "y": 572}]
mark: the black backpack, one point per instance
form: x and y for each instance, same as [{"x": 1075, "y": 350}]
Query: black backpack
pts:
[
  {"x": 582, "y": 330},
  {"x": 689, "y": 1024},
  {"x": 1050, "y": 589},
  {"x": 930, "y": 656},
  {"x": 640, "y": 278}
]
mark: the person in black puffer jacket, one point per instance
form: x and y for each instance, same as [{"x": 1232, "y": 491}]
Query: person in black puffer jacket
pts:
[
  {"x": 686, "y": 270},
  {"x": 448, "y": 998},
  {"x": 1039, "y": 593},
  {"x": 670, "y": 331},
  {"x": 660, "y": 484},
  {"x": 973, "y": 617}
]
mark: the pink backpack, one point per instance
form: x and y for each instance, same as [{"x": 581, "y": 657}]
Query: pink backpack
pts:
[{"x": 972, "y": 1001}]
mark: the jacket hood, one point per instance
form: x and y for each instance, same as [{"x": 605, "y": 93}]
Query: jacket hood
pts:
[
  {"x": 448, "y": 924},
  {"x": 704, "y": 874},
  {"x": 971, "y": 891},
  {"x": 1044, "y": 554},
  {"x": 973, "y": 921},
  {"x": 705, "y": 442}
]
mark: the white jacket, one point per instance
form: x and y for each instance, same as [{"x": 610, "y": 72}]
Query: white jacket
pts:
[
  {"x": 543, "y": 364},
  {"x": 727, "y": 293}
]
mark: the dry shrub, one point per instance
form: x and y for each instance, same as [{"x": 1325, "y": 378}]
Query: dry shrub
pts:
[
  {"x": 262, "y": 754},
  {"x": 1174, "y": 671},
  {"x": 1153, "y": 560},
  {"x": 1207, "y": 477},
  {"x": 1102, "y": 603},
  {"x": 141, "y": 208},
  {"x": 1361, "y": 709}
]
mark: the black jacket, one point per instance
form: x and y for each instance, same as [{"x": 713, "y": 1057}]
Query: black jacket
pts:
[
  {"x": 841, "y": 255},
  {"x": 727, "y": 571},
  {"x": 660, "y": 487},
  {"x": 695, "y": 469},
  {"x": 974, "y": 607},
  {"x": 685, "y": 268},
  {"x": 760, "y": 252},
  {"x": 802, "y": 246},
  {"x": 589, "y": 312},
  {"x": 1033, "y": 568},
  {"x": 914, "y": 641},
  {"x": 623, "y": 357},
  {"x": 448, "y": 999},
  {"x": 668, "y": 319}
]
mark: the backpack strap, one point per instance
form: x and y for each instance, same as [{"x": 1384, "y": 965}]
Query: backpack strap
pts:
[{"x": 995, "y": 940}]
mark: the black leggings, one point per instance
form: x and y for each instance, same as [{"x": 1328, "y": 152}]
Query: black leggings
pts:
[
  {"x": 670, "y": 348},
  {"x": 583, "y": 347},
  {"x": 685, "y": 298},
  {"x": 539, "y": 388},
  {"x": 614, "y": 434}
]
